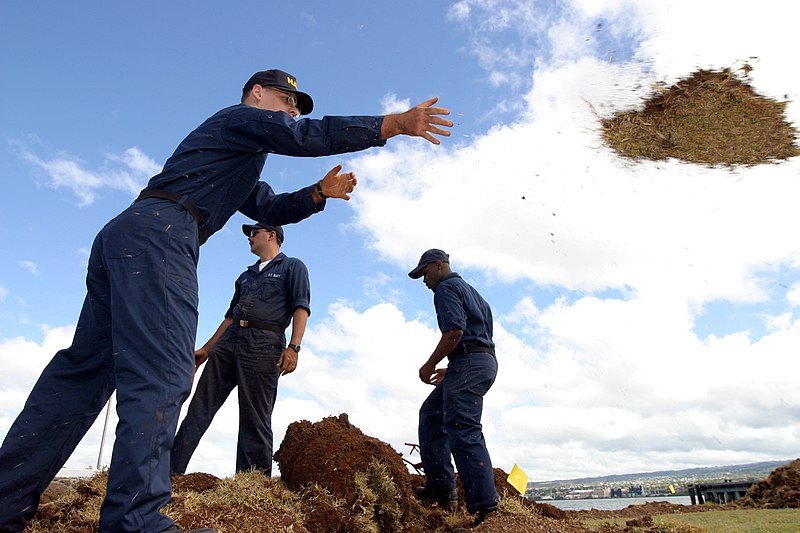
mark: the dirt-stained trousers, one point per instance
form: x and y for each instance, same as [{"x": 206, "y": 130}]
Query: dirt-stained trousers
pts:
[
  {"x": 245, "y": 359},
  {"x": 136, "y": 334},
  {"x": 450, "y": 423}
]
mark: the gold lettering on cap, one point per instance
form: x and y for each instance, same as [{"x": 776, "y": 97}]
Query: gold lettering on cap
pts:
[{"x": 291, "y": 81}]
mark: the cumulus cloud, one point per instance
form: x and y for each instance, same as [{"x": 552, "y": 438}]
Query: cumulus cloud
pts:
[
  {"x": 390, "y": 104},
  {"x": 579, "y": 399},
  {"x": 360, "y": 363},
  {"x": 623, "y": 381},
  {"x": 23, "y": 360},
  {"x": 30, "y": 266},
  {"x": 381, "y": 286},
  {"x": 126, "y": 172},
  {"x": 793, "y": 296}
]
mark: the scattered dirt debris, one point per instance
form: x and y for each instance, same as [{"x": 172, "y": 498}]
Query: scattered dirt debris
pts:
[
  {"x": 335, "y": 479},
  {"x": 711, "y": 117}
]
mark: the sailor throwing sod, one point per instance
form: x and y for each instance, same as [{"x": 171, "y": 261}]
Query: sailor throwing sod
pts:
[{"x": 137, "y": 327}]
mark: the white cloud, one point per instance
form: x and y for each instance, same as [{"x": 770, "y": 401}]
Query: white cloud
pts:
[
  {"x": 23, "y": 360},
  {"x": 621, "y": 382},
  {"x": 30, "y": 266},
  {"x": 391, "y": 104},
  {"x": 793, "y": 296},
  {"x": 381, "y": 287},
  {"x": 361, "y": 363},
  {"x": 128, "y": 172},
  {"x": 591, "y": 398}
]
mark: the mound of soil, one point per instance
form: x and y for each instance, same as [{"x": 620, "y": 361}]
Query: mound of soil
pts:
[
  {"x": 330, "y": 453},
  {"x": 710, "y": 117},
  {"x": 780, "y": 489},
  {"x": 195, "y": 482},
  {"x": 323, "y": 458},
  {"x": 335, "y": 479},
  {"x": 332, "y": 456}
]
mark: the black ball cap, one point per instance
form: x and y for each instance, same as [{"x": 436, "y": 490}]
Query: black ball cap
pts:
[
  {"x": 431, "y": 256},
  {"x": 283, "y": 81}
]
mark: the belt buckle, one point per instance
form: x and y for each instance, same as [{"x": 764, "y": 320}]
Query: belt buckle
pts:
[{"x": 243, "y": 323}]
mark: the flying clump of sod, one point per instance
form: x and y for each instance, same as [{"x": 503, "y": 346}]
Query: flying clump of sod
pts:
[{"x": 711, "y": 118}]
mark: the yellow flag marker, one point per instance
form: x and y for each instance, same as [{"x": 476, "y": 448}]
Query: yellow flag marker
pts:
[
  {"x": 672, "y": 489},
  {"x": 518, "y": 479}
]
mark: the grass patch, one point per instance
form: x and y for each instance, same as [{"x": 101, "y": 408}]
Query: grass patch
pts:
[
  {"x": 743, "y": 520},
  {"x": 711, "y": 117},
  {"x": 728, "y": 521}
]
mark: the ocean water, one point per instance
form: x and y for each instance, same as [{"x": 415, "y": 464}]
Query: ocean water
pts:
[{"x": 611, "y": 504}]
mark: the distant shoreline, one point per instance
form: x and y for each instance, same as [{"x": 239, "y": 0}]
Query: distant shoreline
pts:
[
  {"x": 613, "y": 504},
  {"x": 736, "y": 470}
]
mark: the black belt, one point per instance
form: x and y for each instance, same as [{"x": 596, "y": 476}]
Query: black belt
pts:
[
  {"x": 259, "y": 325},
  {"x": 471, "y": 347},
  {"x": 187, "y": 204}
]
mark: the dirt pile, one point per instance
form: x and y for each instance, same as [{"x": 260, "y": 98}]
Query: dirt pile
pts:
[
  {"x": 336, "y": 479},
  {"x": 334, "y": 467},
  {"x": 330, "y": 453},
  {"x": 710, "y": 117},
  {"x": 333, "y": 457},
  {"x": 70, "y": 506},
  {"x": 781, "y": 489}
]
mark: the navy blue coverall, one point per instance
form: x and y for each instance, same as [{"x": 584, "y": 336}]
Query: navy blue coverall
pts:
[
  {"x": 137, "y": 327},
  {"x": 247, "y": 357},
  {"x": 450, "y": 417}
]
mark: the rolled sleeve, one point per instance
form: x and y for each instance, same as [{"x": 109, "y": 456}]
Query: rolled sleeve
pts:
[{"x": 299, "y": 286}]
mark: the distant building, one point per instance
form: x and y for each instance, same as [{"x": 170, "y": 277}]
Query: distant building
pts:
[
  {"x": 580, "y": 494},
  {"x": 635, "y": 490}
]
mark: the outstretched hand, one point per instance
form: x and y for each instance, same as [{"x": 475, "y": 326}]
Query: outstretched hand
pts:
[
  {"x": 336, "y": 185},
  {"x": 419, "y": 121}
]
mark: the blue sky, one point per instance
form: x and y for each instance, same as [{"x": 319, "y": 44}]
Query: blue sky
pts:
[{"x": 629, "y": 298}]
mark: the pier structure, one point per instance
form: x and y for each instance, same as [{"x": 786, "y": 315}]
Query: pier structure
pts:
[{"x": 725, "y": 492}]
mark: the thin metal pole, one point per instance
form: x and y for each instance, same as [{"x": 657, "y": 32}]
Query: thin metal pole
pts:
[{"x": 103, "y": 438}]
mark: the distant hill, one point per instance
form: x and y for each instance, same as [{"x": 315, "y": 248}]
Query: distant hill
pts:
[{"x": 736, "y": 472}]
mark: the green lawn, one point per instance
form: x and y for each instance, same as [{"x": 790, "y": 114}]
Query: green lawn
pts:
[
  {"x": 734, "y": 521},
  {"x": 739, "y": 521}
]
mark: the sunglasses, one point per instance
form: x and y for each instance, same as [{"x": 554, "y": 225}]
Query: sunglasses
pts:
[
  {"x": 254, "y": 232},
  {"x": 289, "y": 98}
]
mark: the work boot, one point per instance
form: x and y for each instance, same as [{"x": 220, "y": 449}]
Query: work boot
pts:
[
  {"x": 175, "y": 529},
  {"x": 479, "y": 518},
  {"x": 446, "y": 498}
]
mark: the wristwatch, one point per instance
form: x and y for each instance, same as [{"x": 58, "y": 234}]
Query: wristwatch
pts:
[{"x": 295, "y": 347}]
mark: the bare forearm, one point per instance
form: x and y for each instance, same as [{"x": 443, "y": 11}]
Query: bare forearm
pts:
[
  {"x": 299, "y": 321},
  {"x": 287, "y": 362},
  {"x": 428, "y": 372},
  {"x": 449, "y": 340}
]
